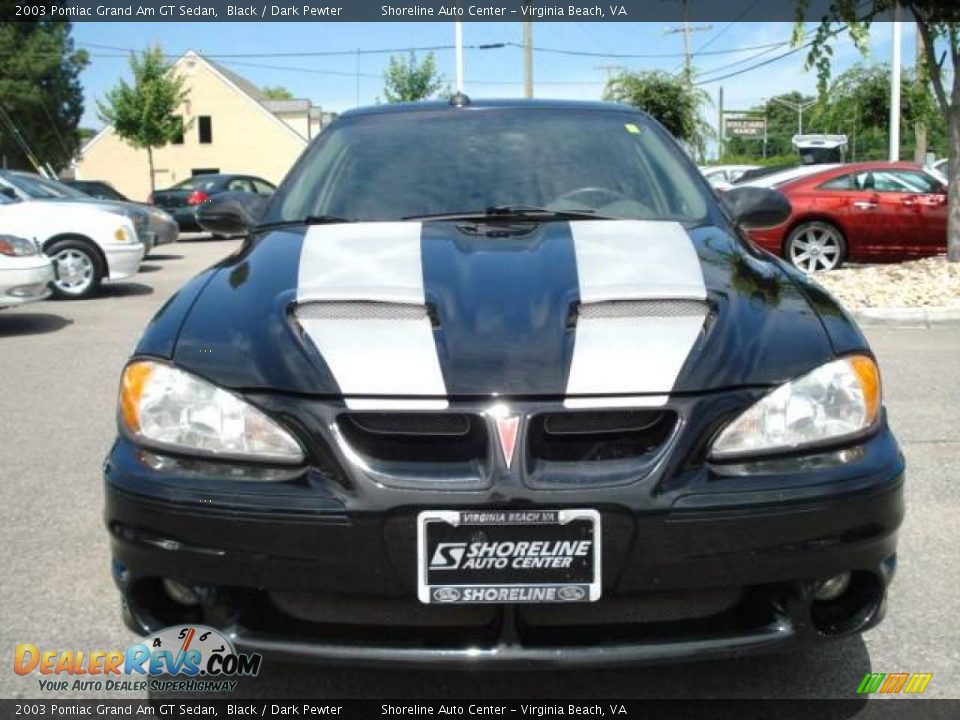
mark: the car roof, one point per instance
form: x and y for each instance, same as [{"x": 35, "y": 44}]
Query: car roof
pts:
[
  {"x": 504, "y": 103},
  {"x": 829, "y": 173}
]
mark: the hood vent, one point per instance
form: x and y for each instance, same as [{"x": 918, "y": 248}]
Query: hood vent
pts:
[
  {"x": 642, "y": 309},
  {"x": 360, "y": 310}
]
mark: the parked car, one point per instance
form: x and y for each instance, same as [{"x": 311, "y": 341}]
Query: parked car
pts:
[
  {"x": 864, "y": 212},
  {"x": 722, "y": 176},
  {"x": 87, "y": 244},
  {"x": 154, "y": 227},
  {"x": 183, "y": 199},
  {"x": 25, "y": 272},
  {"x": 98, "y": 189},
  {"x": 781, "y": 176},
  {"x": 499, "y": 383}
]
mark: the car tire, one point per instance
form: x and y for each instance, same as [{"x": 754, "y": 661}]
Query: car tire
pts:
[
  {"x": 815, "y": 246},
  {"x": 79, "y": 269}
]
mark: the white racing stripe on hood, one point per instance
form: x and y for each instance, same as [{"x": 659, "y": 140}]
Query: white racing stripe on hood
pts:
[
  {"x": 374, "y": 262},
  {"x": 632, "y": 260}
]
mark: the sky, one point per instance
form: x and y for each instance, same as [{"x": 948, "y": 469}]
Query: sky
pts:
[{"x": 333, "y": 81}]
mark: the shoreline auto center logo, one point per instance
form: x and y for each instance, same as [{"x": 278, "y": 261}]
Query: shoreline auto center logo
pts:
[
  {"x": 892, "y": 683},
  {"x": 196, "y": 657},
  {"x": 501, "y": 555}
]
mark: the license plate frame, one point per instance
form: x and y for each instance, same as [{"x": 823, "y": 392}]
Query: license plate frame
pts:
[{"x": 477, "y": 530}]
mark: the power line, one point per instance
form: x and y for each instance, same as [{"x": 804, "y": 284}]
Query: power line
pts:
[
  {"x": 315, "y": 53},
  {"x": 435, "y": 48},
  {"x": 646, "y": 56}
]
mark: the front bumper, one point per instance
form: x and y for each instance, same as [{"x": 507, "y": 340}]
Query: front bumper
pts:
[
  {"x": 310, "y": 568},
  {"x": 123, "y": 261},
  {"x": 24, "y": 280}
]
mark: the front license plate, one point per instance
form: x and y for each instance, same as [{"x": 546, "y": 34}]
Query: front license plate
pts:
[{"x": 508, "y": 556}]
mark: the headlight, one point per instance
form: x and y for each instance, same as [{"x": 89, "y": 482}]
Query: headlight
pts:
[
  {"x": 17, "y": 246},
  {"x": 838, "y": 400},
  {"x": 169, "y": 408}
]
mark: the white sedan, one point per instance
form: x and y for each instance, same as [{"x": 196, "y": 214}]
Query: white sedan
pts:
[
  {"x": 723, "y": 176},
  {"x": 775, "y": 179},
  {"x": 87, "y": 245},
  {"x": 25, "y": 272}
]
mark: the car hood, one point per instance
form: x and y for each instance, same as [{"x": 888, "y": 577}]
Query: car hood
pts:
[{"x": 421, "y": 311}]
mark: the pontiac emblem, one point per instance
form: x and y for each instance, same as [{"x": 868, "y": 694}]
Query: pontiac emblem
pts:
[{"x": 508, "y": 424}]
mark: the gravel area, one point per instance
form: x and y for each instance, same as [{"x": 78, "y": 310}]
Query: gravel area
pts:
[{"x": 928, "y": 283}]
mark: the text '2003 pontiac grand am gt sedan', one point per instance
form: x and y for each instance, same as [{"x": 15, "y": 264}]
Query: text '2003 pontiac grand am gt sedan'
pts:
[{"x": 501, "y": 383}]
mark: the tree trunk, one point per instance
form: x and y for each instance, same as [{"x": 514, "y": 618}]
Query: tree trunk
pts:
[
  {"x": 920, "y": 126},
  {"x": 953, "y": 184},
  {"x": 150, "y": 162}
]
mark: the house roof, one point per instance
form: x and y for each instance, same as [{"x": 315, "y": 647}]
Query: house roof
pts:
[
  {"x": 244, "y": 86},
  {"x": 241, "y": 82}
]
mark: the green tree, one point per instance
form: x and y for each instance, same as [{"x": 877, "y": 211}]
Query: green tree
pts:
[
  {"x": 857, "y": 104},
  {"x": 40, "y": 92},
  {"x": 277, "y": 92},
  {"x": 144, "y": 114},
  {"x": 671, "y": 99},
  {"x": 938, "y": 23},
  {"x": 409, "y": 80}
]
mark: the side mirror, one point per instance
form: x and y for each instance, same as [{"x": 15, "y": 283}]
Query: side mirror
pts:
[
  {"x": 231, "y": 213},
  {"x": 754, "y": 207},
  {"x": 8, "y": 192}
]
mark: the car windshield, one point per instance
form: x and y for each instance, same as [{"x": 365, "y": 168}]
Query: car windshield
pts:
[
  {"x": 390, "y": 166},
  {"x": 44, "y": 189}
]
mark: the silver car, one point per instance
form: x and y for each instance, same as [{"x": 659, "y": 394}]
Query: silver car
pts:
[{"x": 153, "y": 225}]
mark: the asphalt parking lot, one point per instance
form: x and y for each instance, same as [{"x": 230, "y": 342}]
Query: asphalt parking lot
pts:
[{"x": 59, "y": 366}]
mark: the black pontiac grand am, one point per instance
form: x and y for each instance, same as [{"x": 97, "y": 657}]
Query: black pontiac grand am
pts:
[{"x": 502, "y": 383}]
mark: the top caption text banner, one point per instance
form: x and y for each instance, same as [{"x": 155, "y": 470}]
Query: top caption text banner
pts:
[{"x": 421, "y": 11}]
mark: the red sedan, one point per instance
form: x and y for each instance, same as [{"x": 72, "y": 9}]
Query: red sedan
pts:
[{"x": 864, "y": 212}]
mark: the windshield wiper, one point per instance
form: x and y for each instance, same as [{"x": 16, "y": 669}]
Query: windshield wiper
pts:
[
  {"x": 308, "y": 220},
  {"x": 513, "y": 212}
]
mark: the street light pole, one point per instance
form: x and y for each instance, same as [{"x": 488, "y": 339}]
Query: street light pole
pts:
[
  {"x": 796, "y": 107},
  {"x": 527, "y": 58},
  {"x": 895, "y": 87},
  {"x": 458, "y": 41}
]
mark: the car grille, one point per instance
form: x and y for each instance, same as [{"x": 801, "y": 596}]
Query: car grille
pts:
[
  {"x": 442, "y": 448},
  {"x": 620, "y": 446},
  {"x": 412, "y": 437},
  {"x": 403, "y": 621}
]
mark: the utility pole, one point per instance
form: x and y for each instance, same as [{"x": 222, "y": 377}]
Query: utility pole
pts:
[
  {"x": 895, "y": 87},
  {"x": 527, "y": 55},
  {"x": 720, "y": 133},
  {"x": 919, "y": 127},
  {"x": 687, "y": 29}
]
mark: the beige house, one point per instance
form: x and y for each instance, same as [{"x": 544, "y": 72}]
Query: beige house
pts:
[{"x": 230, "y": 127}]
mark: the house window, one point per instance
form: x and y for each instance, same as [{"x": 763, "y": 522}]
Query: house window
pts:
[
  {"x": 178, "y": 139},
  {"x": 206, "y": 129},
  {"x": 204, "y": 171}
]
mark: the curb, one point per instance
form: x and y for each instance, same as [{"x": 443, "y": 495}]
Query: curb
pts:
[{"x": 908, "y": 317}]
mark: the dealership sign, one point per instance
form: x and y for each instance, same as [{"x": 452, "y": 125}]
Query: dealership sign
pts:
[{"x": 742, "y": 124}]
